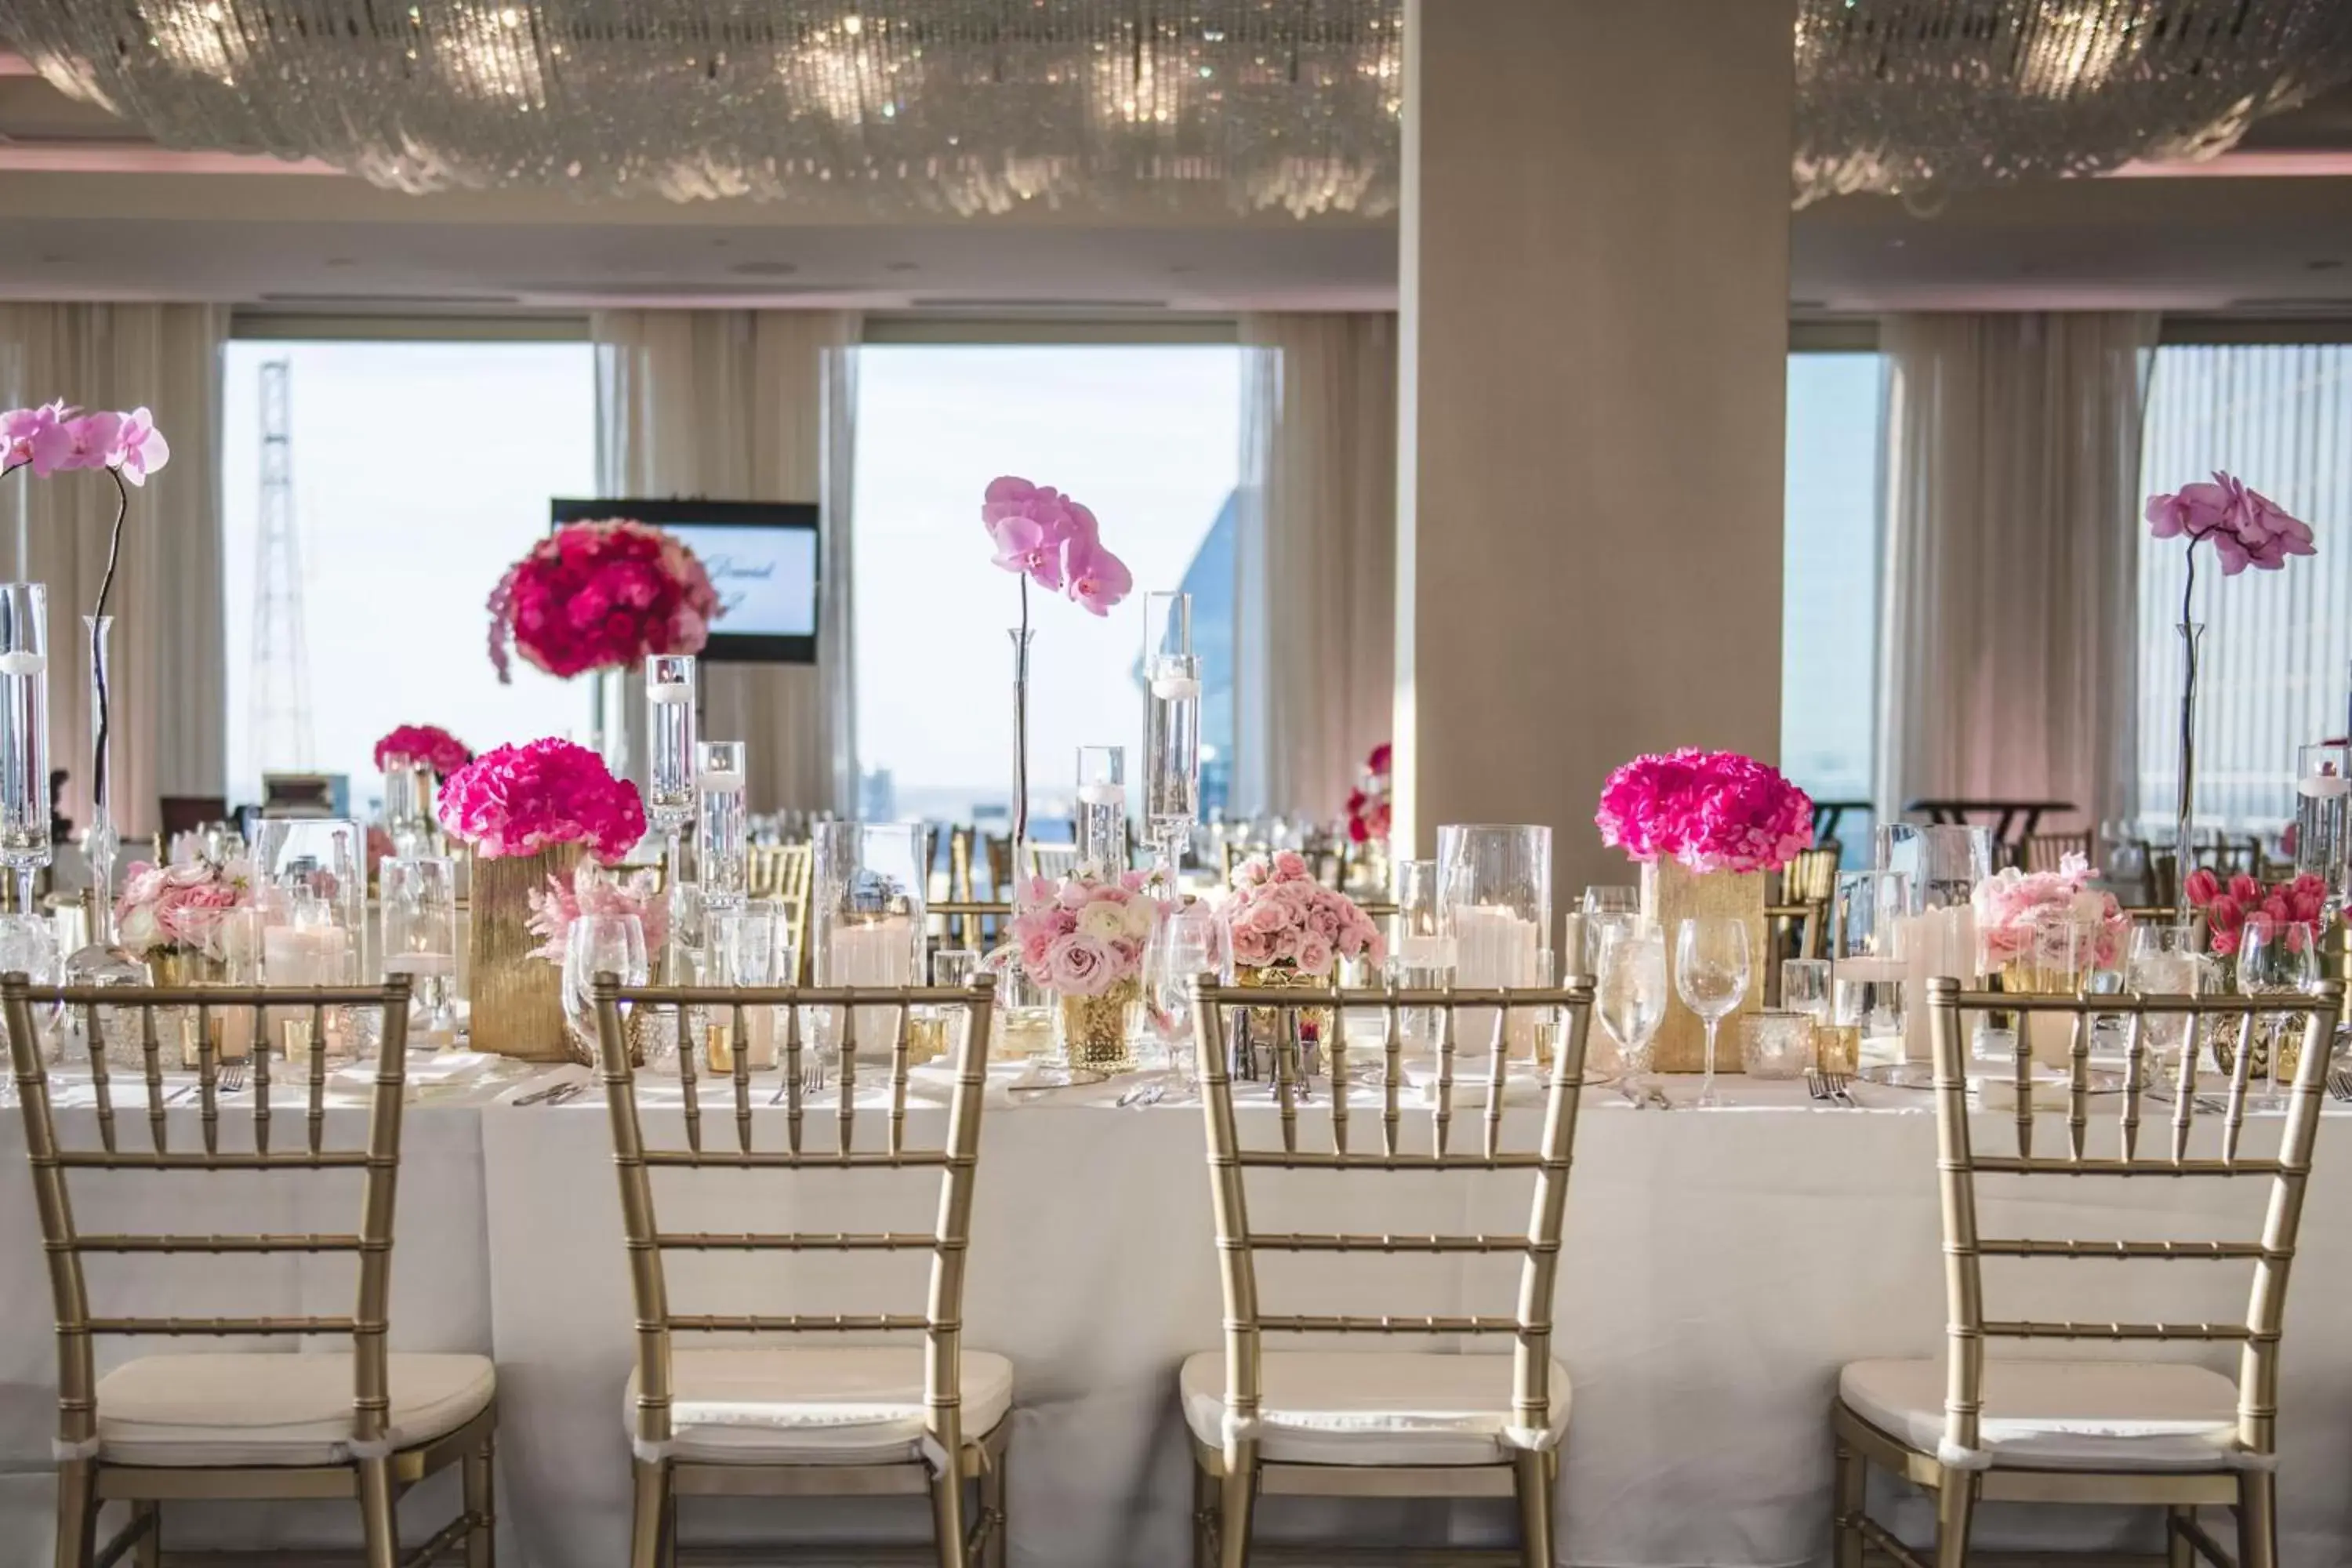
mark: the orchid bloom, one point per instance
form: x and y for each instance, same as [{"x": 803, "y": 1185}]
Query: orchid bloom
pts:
[{"x": 55, "y": 439}]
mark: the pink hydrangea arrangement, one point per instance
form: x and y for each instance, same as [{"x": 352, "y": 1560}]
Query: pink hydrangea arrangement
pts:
[
  {"x": 2247, "y": 528},
  {"x": 2228, "y": 908},
  {"x": 1368, "y": 805},
  {"x": 2018, "y": 912},
  {"x": 1053, "y": 542},
  {"x": 427, "y": 743},
  {"x": 178, "y": 907},
  {"x": 1280, "y": 917},
  {"x": 594, "y": 891},
  {"x": 1084, "y": 935},
  {"x": 601, "y": 595},
  {"x": 1709, "y": 811},
  {"x": 520, "y": 800}
]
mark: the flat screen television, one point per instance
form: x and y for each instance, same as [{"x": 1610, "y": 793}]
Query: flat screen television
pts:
[{"x": 763, "y": 560}]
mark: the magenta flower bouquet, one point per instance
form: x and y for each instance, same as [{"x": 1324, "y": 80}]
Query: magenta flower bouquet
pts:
[
  {"x": 1708, "y": 811},
  {"x": 601, "y": 595},
  {"x": 1085, "y": 936},
  {"x": 427, "y": 743},
  {"x": 1280, "y": 917},
  {"x": 519, "y": 800}
]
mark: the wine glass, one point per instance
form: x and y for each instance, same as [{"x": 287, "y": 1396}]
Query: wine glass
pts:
[
  {"x": 1630, "y": 980},
  {"x": 593, "y": 945},
  {"x": 1190, "y": 941},
  {"x": 2163, "y": 961},
  {"x": 1612, "y": 900},
  {"x": 2275, "y": 957},
  {"x": 1711, "y": 975}
]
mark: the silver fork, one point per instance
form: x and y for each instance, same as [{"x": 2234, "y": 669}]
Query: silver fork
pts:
[
  {"x": 232, "y": 1078},
  {"x": 1830, "y": 1087},
  {"x": 812, "y": 1075},
  {"x": 2340, "y": 1084}
]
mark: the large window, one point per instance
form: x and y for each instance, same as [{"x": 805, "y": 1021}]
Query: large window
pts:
[
  {"x": 1829, "y": 654},
  {"x": 1149, "y": 437},
  {"x": 418, "y": 473},
  {"x": 2277, "y": 646}
]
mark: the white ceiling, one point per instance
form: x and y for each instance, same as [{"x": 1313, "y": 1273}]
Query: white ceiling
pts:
[{"x": 88, "y": 211}]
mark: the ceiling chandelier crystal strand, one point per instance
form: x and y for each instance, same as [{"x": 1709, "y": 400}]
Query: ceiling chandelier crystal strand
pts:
[{"x": 979, "y": 106}]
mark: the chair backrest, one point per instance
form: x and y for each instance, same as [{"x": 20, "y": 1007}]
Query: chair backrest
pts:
[
  {"x": 1811, "y": 877},
  {"x": 782, "y": 873},
  {"x": 979, "y": 925},
  {"x": 1221, "y": 1014},
  {"x": 188, "y": 1024},
  {"x": 2233, "y": 1028},
  {"x": 955, "y": 1160}
]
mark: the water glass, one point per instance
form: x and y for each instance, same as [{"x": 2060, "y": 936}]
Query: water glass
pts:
[
  {"x": 739, "y": 949},
  {"x": 1867, "y": 963},
  {"x": 669, "y": 729},
  {"x": 593, "y": 945},
  {"x": 1630, "y": 990},
  {"x": 1805, "y": 988},
  {"x": 722, "y": 838},
  {"x": 2275, "y": 957},
  {"x": 28, "y": 944},
  {"x": 1612, "y": 900},
  {"x": 1711, "y": 974},
  {"x": 1102, "y": 810},
  {"x": 419, "y": 898}
]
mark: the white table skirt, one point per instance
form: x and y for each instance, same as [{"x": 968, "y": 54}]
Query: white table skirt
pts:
[{"x": 1719, "y": 1269}]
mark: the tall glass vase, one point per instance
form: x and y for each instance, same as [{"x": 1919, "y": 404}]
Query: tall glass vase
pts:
[
  {"x": 2183, "y": 851},
  {"x": 23, "y": 734},
  {"x": 101, "y": 963},
  {"x": 1172, "y": 730},
  {"x": 1020, "y": 636}
]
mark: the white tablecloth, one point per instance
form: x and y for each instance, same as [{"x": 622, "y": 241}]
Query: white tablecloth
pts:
[{"x": 1719, "y": 1269}]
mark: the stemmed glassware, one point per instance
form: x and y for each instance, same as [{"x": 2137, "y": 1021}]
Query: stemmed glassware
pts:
[
  {"x": 1629, "y": 982},
  {"x": 593, "y": 945},
  {"x": 1189, "y": 941},
  {"x": 2164, "y": 961},
  {"x": 1603, "y": 907},
  {"x": 1171, "y": 729},
  {"x": 1711, "y": 973},
  {"x": 2275, "y": 957}
]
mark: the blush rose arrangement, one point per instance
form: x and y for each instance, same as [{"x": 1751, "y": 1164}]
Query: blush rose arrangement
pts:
[
  {"x": 594, "y": 891},
  {"x": 519, "y": 800},
  {"x": 177, "y": 909},
  {"x": 1279, "y": 918},
  {"x": 601, "y": 595},
  {"x": 1085, "y": 936},
  {"x": 1708, "y": 811},
  {"x": 2048, "y": 919},
  {"x": 2227, "y": 908},
  {"x": 427, "y": 743}
]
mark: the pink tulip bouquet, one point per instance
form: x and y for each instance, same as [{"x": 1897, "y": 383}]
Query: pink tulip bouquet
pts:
[
  {"x": 1085, "y": 936},
  {"x": 2052, "y": 919},
  {"x": 178, "y": 909},
  {"x": 1280, "y": 918},
  {"x": 2229, "y": 907},
  {"x": 594, "y": 891},
  {"x": 601, "y": 595},
  {"x": 427, "y": 743},
  {"x": 519, "y": 800},
  {"x": 1709, "y": 811}
]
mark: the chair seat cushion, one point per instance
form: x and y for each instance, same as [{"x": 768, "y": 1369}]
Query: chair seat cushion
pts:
[
  {"x": 1386, "y": 1407},
  {"x": 2062, "y": 1414},
  {"x": 264, "y": 1409},
  {"x": 841, "y": 1405}
]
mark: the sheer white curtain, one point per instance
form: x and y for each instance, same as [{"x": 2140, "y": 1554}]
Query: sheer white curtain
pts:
[
  {"x": 168, "y": 698},
  {"x": 2010, "y": 614},
  {"x": 748, "y": 405},
  {"x": 1316, "y": 572}
]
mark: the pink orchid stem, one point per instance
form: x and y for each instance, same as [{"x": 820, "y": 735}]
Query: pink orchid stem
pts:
[
  {"x": 2183, "y": 859},
  {"x": 97, "y": 625},
  {"x": 1021, "y": 732}
]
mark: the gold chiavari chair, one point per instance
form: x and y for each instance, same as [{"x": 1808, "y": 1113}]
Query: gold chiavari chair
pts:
[
  {"x": 841, "y": 1422},
  {"x": 2045, "y": 851},
  {"x": 1374, "y": 1424},
  {"x": 1811, "y": 877},
  {"x": 977, "y": 924},
  {"x": 364, "y": 1423},
  {"x": 1000, "y": 866},
  {"x": 960, "y": 886},
  {"x": 2172, "y": 1435}
]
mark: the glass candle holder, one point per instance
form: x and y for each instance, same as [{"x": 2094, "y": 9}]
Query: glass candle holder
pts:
[
  {"x": 1495, "y": 906},
  {"x": 931, "y": 1032},
  {"x": 1172, "y": 724},
  {"x": 1102, "y": 810},
  {"x": 419, "y": 898},
  {"x": 321, "y": 859},
  {"x": 1805, "y": 988},
  {"x": 722, "y": 842},
  {"x": 669, "y": 732},
  {"x": 739, "y": 949},
  {"x": 1868, "y": 965},
  {"x": 23, "y": 733},
  {"x": 868, "y": 913},
  {"x": 2322, "y": 791},
  {"x": 1942, "y": 863},
  {"x": 1776, "y": 1043}
]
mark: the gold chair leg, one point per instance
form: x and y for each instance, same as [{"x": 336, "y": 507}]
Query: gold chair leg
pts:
[
  {"x": 1955, "y": 1507},
  {"x": 994, "y": 1488},
  {"x": 1849, "y": 1497},
  {"x": 647, "y": 1532},
  {"x": 377, "y": 1525},
  {"x": 2179, "y": 1552},
  {"x": 1204, "y": 1515},
  {"x": 947, "y": 1517},
  {"x": 77, "y": 1512},
  {"x": 2257, "y": 1519},
  {"x": 481, "y": 1504},
  {"x": 1236, "y": 1496},
  {"x": 147, "y": 1551},
  {"x": 1532, "y": 1481}
]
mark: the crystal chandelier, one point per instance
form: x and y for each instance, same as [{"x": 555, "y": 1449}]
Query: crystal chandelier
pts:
[{"x": 973, "y": 106}]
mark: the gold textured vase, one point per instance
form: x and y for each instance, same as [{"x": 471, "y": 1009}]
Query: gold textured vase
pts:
[
  {"x": 1671, "y": 894},
  {"x": 1097, "y": 1033},
  {"x": 1262, "y": 1028},
  {"x": 516, "y": 1000}
]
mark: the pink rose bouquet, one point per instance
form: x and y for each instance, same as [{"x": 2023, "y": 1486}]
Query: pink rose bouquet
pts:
[
  {"x": 2018, "y": 913},
  {"x": 1084, "y": 935},
  {"x": 1280, "y": 917},
  {"x": 1711, "y": 811},
  {"x": 2228, "y": 909},
  {"x": 594, "y": 891},
  {"x": 520, "y": 800},
  {"x": 166, "y": 908},
  {"x": 601, "y": 595},
  {"x": 427, "y": 743},
  {"x": 1368, "y": 804}
]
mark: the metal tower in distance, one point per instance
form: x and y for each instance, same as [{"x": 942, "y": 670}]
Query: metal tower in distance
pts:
[{"x": 278, "y": 721}]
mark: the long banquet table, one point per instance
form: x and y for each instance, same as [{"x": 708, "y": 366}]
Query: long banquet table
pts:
[{"x": 1719, "y": 1266}]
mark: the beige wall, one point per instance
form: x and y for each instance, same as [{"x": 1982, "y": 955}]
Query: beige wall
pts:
[{"x": 1595, "y": 326}]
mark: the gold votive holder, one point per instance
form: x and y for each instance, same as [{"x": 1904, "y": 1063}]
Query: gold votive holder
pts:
[
  {"x": 1837, "y": 1048},
  {"x": 1776, "y": 1043}
]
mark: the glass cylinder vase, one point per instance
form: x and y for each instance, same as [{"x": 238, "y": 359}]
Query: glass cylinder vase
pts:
[
  {"x": 868, "y": 913},
  {"x": 1172, "y": 727},
  {"x": 410, "y": 787},
  {"x": 25, "y": 843},
  {"x": 1495, "y": 907},
  {"x": 721, "y": 832},
  {"x": 1102, "y": 810},
  {"x": 102, "y": 960}
]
